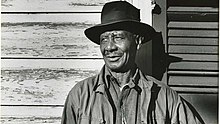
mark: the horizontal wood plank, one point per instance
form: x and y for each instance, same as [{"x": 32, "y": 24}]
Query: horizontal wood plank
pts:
[
  {"x": 30, "y": 115},
  {"x": 193, "y": 49},
  {"x": 193, "y": 3},
  {"x": 31, "y": 111},
  {"x": 197, "y": 57},
  {"x": 192, "y": 73},
  {"x": 193, "y": 17},
  {"x": 193, "y": 33},
  {"x": 48, "y": 39},
  {"x": 195, "y": 90},
  {"x": 193, "y": 41},
  {"x": 52, "y": 63},
  {"x": 193, "y": 25},
  {"x": 209, "y": 66},
  {"x": 30, "y": 120},
  {"x": 43, "y": 82},
  {"x": 192, "y": 9},
  {"x": 52, "y": 5},
  {"x": 87, "y": 18},
  {"x": 193, "y": 81}
]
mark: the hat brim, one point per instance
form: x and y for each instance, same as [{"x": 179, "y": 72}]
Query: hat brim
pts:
[{"x": 136, "y": 27}]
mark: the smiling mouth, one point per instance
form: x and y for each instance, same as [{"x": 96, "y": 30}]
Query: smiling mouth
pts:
[{"x": 113, "y": 58}]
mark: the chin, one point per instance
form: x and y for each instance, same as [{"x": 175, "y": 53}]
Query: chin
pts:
[
  {"x": 116, "y": 68},
  {"x": 113, "y": 67}
]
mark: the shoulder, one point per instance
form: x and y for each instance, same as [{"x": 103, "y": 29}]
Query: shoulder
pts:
[
  {"x": 163, "y": 94},
  {"x": 82, "y": 88},
  {"x": 163, "y": 89},
  {"x": 84, "y": 85},
  {"x": 154, "y": 80}
]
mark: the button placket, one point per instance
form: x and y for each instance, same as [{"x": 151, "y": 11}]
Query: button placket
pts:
[{"x": 123, "y": 97}]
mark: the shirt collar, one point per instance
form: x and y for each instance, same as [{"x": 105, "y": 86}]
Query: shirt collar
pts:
[{"x": 138, "y": 81}]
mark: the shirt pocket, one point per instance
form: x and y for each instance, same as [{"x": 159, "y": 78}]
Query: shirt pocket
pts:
[{"x": 90, "y": 120}]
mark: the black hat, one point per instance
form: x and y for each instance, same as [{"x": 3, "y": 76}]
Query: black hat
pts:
[{"x": 120, "y": 15}]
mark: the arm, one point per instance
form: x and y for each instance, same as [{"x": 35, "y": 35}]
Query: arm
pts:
[
  {"x": 70, "y": 111},
  {"x": 184, "y": 113}
]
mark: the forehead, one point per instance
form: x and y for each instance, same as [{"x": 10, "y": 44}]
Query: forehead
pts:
[{"x": 116, "y": 32}]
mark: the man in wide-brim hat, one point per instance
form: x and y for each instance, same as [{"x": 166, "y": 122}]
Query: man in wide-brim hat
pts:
[{"x": 121, "y": 93}]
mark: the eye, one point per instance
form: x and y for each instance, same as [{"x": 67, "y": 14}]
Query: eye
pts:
[
  {"x": 103, "y": 39},
  {"x": 119, "y": 38}
]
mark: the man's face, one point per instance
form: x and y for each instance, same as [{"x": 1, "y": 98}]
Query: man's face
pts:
[{"x": 118, "y": 49}]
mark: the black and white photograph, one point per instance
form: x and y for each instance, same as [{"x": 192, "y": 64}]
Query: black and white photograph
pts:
[{"x": 109, "y": 62}]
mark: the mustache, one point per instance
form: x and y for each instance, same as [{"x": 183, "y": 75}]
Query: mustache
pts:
[{"x": 109, "y": 54}]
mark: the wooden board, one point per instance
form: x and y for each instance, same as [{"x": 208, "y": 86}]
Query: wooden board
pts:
[
  {"x": 47, "y": 38},
  {"x": 51, "y": 63},
  {"x": 31, "y": 111},
  {"x": 193, "y": 41},
  {"x": 193, "y": 17},
  {"x": 195, "y": 90},
  {"x": 193, "y": 33},
  {"x": 180, "y": 49},
  {"x": 193, "y": 81},
  {"x": 197, "y": 57},
  {"x": 192, "y": 9},
  {"x": 193, "y": 73},
  {"x": 52, "y": 5},
  {"x": 30, "y": 120},
  {"x": 208, "y": 66},
  {"x": 87, "y": 18},
  {"x": 43, "y": 82},
  {"x": 30, "y": 115},
  {"x": 193, "y": 3},
  {"x": 193, "y": 25}
]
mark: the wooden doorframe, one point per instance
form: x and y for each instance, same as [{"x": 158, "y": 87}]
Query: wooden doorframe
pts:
[{"x": 159, "y": 22}]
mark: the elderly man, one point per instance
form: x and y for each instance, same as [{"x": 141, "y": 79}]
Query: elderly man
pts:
[{"x": 121, "y": 93}]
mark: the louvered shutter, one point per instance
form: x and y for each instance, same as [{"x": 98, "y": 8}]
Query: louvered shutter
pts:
[{"x": 190, "y": 36}]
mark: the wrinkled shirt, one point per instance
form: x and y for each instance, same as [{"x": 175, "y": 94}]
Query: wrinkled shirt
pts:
[{"x": 144, "y": 100}]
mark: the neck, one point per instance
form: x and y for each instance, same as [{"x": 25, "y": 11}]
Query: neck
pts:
[{"x": 123, "y": 77}]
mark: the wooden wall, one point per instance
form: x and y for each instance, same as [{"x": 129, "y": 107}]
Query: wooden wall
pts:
[{"x": 44, "y": 54}]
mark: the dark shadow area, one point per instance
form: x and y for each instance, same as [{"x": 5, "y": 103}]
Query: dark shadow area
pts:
[
  {"x": 200, "y": 3},
  {"x": 156, "y": 9},
  {"x": 161, "y": 60},
  {"x": 194, "y": 111},
  {"x": 205, "y": 105}
]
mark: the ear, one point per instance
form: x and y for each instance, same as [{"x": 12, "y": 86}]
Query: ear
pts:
[{"x": 139, "y": 40}]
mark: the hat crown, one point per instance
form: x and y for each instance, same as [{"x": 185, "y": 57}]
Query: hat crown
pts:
[
  {"x": 120, "y": 15},
  {"x": 119, "y": 11}
]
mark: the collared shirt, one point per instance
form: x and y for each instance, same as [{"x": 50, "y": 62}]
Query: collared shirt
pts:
[
  {"x": 124, "y": 97},
  {"x": 98, "y": 100}
]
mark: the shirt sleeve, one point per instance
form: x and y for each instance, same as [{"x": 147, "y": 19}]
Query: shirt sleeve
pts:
[
  {"x": 185, "y": 113},
  {"x": 70, "y": 111}
]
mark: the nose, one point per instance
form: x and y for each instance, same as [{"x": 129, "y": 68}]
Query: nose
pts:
[{"x": 111, "y": 45}]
